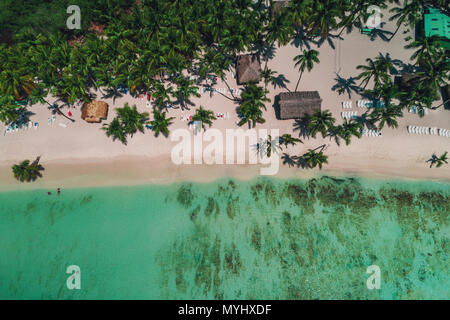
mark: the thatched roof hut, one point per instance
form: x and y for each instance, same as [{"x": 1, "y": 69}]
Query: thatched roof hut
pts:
[
  {"x": 95, "y": 111},
  {"x": 296, "y": 105},
  {"x": 248, "y": 69}
]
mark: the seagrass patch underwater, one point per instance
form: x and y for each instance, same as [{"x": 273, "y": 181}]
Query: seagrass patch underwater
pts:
[{"x": 259, "y": 239}]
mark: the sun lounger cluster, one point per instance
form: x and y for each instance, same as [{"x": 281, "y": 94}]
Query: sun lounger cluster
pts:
[
  {"x": 51, "y": 120},
  {"x": 364, "y": 103},
  {"x": 223, "y": 116},
  {"x": 24, "y": 127},
  {"x": 415, "y": 110},
  {"x": 185, "y": 117},
  {"x": 346, "y": 104},
  {"x": 371, "y": 133},
  {"x": 427, "y": 130},
  {"x": 369, "y": 104},
  {"x": 444, "y": 133},
  {"x": 349, "y": 114}
]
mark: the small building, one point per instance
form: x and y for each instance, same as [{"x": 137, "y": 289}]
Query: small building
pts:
[
  {"x": 94, "y": 111},
  {"x": 438, "y": 24},
  {"x": 248, "y": 69},
  {"x": 296, "y": 105}
]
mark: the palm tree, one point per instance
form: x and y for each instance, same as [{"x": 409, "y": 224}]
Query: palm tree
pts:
[
  {"x": 386, "y": 115},
  {"x": 306, "y": 61},
  {"x": 15, "y": 84},
  {"x": 203, "y": 115},
  {"x": 131, "y": 119},
  {"x": 409, "y": 15},
  {"x": 9, "y": 113},
  {"x": 377, "y": 69},
  {"x": 321, "y": 121},
  {"x": 428, "y": 49},
  {"x": 313, "y": 158},
  {"x": 185, "y": 88},
  {"x": 438, "y": 161},
  {"x": 160, "y": 123},
  {"x": 26, "y": 171},
  {"x": 161, "y": 94},
  {"x": 127, "y": 122},
  {"x": 252, "y": 101},
  {"x": 265, "y": 147},
  {"x": 115, "y": 130},
  {"x": 348, "y": 129},
  {"x": 287, "y": 139}
]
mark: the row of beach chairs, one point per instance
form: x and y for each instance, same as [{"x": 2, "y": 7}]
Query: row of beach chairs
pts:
[
  {"x": 427, "y": 130},
  {"x": 23, "y": 127},
  {"x": 371, "y": 133},
  {"x": 349, "y": 114},
  {"x": 444, "y": 132},
  {"x": 369, "y": 104},
  {"x": 415, "y": 110},
  {"x": 346, "y": 104},
  {"x": 361, "y": 104}
]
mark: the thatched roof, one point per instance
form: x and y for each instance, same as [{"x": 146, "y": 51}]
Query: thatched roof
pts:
[
  {"x": 95, "y": 111},
  {"x": 296, "y": 105},
  {"x": 248, "y": 69}
]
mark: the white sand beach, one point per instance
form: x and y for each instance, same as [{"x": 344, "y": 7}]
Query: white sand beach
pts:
[{"x": 80, "y": 154}]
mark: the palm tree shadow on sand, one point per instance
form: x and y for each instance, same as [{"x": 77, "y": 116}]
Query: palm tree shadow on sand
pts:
[
  {"x": 346, "y": 86},
  {"x": 300, "y": 125},
  {"x": 113, "y": 93},
  {"x": 294, "y": 161}
]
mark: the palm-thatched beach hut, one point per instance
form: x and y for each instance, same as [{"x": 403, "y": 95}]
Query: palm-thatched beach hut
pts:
[
  {"x": 296, "y": 105},
  {"x": 248, "y": 69},
  {"x": 94, "y": 111}
]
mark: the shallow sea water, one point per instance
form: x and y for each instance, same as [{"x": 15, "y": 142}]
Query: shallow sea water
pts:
[{"x": 259, "y": 239}]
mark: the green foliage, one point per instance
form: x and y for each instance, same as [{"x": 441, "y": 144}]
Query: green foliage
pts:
[
  {"x": 205, "y": 116},
  {"x": 321, "y": 121},
  {"x": 160, "y": 123},
  {"x": 315, "y": 159},
  {"x": 127, "y": 122},
  {"x": 27, "y": 171},
  {"x": 252, "y": 103}
]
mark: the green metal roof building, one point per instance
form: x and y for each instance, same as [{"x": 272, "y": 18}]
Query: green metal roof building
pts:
[{"x": 437, "y": 23}]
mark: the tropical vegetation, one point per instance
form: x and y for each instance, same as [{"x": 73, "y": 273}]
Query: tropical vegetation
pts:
[
  {"x": 127, "y": 122},
  {"x": 27, "y": 171}
]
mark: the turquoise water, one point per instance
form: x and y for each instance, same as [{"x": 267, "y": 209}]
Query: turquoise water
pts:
[{"x": 260, "y": 239}]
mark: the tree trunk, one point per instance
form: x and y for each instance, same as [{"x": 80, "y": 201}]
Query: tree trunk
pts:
[
  {"x": 434, "y": 108},
  {"x": 398, "y": 28},
  {"x": 60, "y": 112},
  {"x": 298, "y": 81}
]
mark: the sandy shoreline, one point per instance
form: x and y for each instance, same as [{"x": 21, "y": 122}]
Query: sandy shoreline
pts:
[
  {"x": 147, "y": 171},
  {"x": 80, "y": 154}
]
